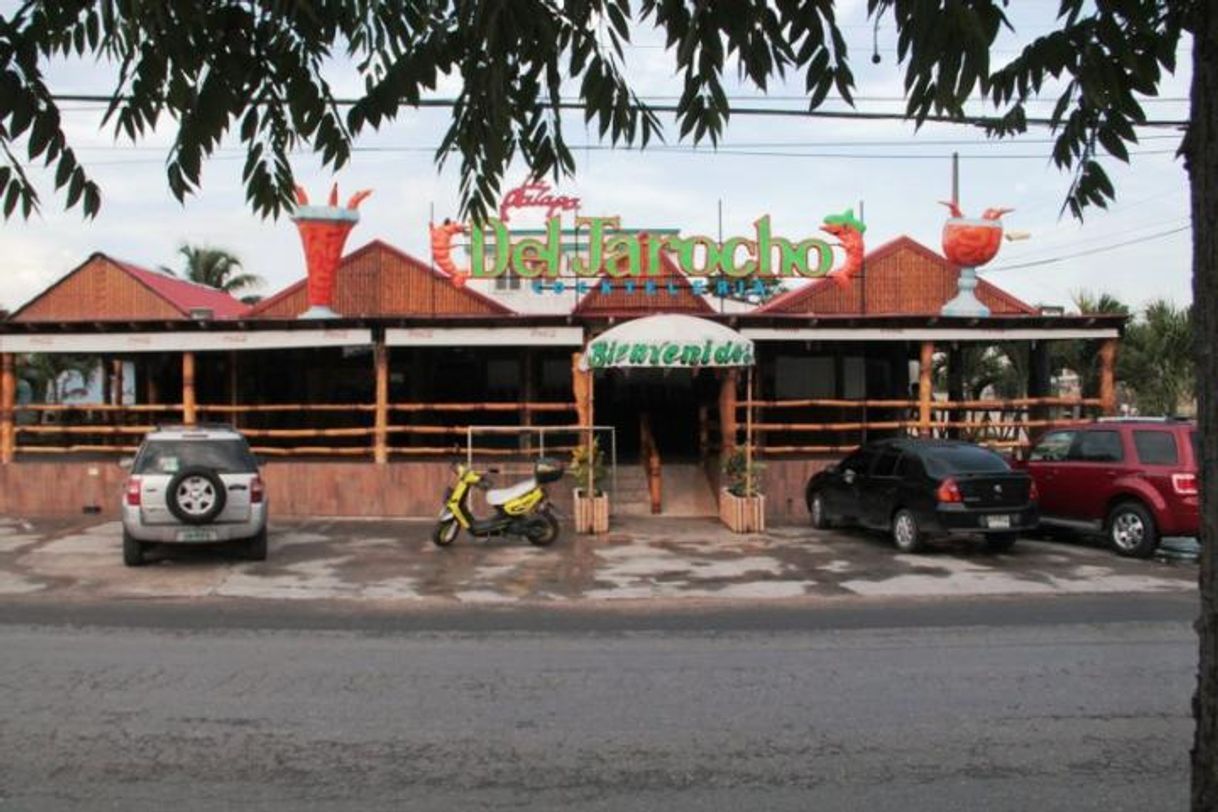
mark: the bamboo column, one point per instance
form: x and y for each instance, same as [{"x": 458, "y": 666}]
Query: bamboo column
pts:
[
  {"x": 118, "y": 381},
  {"x": 727, "y": 412},
  {"x": 189, "y": 411},
  {"x": 955, "y": 383},
  {"x": 526, "y": 396},
  {"x": 925, "y": 387},
  {"x": 8, "y": 397},
  {"x": 232, "y": 385},
  {"x": 1108, "y": 351},
  {"x": 581, "y": 390},
  {"x": 380, "y": 448}
]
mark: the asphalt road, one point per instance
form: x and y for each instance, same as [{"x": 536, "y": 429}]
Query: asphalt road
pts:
[{"x": 1050, "y": 703}]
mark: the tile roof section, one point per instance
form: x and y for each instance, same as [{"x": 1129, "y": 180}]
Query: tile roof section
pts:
[
  {"x": 902, "y": 277},
  {"x": 638, "y": 302},
  {"x": 368, "y": 298}
]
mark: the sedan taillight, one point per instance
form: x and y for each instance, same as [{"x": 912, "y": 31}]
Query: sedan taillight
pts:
[
  {"x": 1033, "y": 492},
  {"x": 257, "y": 491},
  {"x": 949, "y": 491},
  {"x": 133, "y": 491},
  {"x": 1184, "y": 484}
]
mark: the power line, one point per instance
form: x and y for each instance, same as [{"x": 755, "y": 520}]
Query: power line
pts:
[
  {"x": 849, "y": 115},
  {"x": 1078, "y": 254}
]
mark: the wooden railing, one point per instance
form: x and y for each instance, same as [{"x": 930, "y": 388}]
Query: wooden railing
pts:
[
  {"x": 105, "y": 428},
  {"x": 1002, "y": 424}
]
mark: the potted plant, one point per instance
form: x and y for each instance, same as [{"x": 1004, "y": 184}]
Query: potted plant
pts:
[
  {"x": 742, "y": 504},
  {"x": 591, "y": 501}
]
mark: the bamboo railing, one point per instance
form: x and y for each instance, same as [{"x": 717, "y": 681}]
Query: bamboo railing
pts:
[
  {"x": 116, "y": 429},
  {"x": 996, "y": 423}
]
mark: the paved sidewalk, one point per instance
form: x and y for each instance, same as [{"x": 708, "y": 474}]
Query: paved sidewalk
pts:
[{"x": 643, "y": 559}]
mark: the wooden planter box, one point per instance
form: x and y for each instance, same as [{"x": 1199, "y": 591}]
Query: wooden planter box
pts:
[
  {"x": 591, "y": 513},
  {"x": 742, "y": 514}
]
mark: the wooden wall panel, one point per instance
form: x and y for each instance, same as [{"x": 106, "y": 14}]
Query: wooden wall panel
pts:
[
  {"x": 785, "y": 484},
  {"x": 295, "y": 489},
  {"x": 97, "y": 291}
]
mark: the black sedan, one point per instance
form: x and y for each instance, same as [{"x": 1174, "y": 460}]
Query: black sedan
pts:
[{"x": 919, "y": 489}]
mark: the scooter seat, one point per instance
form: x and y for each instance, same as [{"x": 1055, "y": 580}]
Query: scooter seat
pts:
[{"x": 501, "y": 496}]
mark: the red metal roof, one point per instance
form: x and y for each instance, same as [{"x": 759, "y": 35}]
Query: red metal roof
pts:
[{"x": 186, "y": 295}]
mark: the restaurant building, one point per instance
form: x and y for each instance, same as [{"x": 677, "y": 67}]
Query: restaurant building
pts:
[{"x": 416, "y": 363}]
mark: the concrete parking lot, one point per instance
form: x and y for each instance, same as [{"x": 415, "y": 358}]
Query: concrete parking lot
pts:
[{"x": 641, "y": 560}]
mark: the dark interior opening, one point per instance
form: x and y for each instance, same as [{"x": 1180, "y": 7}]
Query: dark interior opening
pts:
[{"x": 670, "y": 398}]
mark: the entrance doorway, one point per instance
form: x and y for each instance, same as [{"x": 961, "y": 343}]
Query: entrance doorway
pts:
[{"x": 669, "y": 398}]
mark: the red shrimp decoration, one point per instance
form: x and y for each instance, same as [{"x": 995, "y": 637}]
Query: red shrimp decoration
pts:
[
  {"x": 849, "y": 230},
  {"x": 442, "y": 251}
]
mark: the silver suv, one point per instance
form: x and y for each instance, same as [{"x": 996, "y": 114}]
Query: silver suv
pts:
[{"x": 193, "y": 484}]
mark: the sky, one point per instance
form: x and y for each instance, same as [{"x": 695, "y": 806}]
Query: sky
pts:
[{"x": 797, "y": 170}]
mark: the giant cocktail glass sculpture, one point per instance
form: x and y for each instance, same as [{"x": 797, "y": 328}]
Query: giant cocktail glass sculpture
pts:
[
  {"x": 970, "y": 242},
  {"x": 323, "y": 232}
]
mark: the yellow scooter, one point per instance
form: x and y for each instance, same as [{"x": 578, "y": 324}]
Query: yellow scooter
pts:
[{"x": 522, "y": 509}]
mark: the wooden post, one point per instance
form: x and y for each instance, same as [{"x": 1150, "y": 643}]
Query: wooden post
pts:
[
  {"x": 189, "y": 415},
  {"x": 526, "y": 396},
  {"x": 1039, "y": 379},
  {"x": 749, "y": 484},
  {"x": 118, "y": 381},
  {"x": 380, "y": 432},
  {"x": 8, "y": 398},
  {"x": 107, "y": 381},
  {"x": 727, "y": 411},
  {"x": 955, "y": 383},
  {"x": 152, "y": 390},
  {"x": 232, "y": 386},
  {"x": 1108, "y": 351},
  {"x": 925, "y": 387}
]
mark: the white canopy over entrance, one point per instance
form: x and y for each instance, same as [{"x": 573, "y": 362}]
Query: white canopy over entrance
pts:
[{"x": 666, "y": 341}]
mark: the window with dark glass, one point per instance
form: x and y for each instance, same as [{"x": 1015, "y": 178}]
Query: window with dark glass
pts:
[
  {"x": 886, "y": 463},
  {"x": 1156, "y": 447},
  {"x": 1097, "y": 446}
]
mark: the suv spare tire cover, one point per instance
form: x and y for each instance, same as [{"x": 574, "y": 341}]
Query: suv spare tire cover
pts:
[{"x": 196, "y": 495}]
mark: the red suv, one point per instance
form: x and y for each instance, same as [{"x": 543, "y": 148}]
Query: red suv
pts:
[{"x": 1133, "y": 478}]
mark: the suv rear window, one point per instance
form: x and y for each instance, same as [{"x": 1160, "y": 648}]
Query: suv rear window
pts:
[
  {"x": 171, "y": 456},
  {"x": 963, "y": 459},
  {"x": 1156, "y": 447}
]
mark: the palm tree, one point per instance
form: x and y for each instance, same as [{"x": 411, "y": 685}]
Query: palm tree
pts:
[
  {"x": 48, "y": 373},
  {"x": 1156, "y": 360},
  {"x": 1082, "y": 356},
  {"x": 215, "y": 268}
]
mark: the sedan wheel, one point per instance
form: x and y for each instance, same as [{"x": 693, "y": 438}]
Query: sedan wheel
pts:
[
  {"x": 817, "y": 508},
  {"x": 905, "y": 532}
]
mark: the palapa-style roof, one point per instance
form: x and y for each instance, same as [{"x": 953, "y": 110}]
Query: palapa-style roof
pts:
[
  {"x": 672, "y": 292},
  {"x": 103, "y": 288},
  {"x": 378, "y": 279},
  {"x": 901, "y": 277}
]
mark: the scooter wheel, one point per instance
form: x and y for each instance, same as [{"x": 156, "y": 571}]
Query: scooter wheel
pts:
[
  {"x": 445, "y": 533},
  {"x": 543, "y": 530}
]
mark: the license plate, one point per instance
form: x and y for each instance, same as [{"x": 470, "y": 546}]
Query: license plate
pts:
[
  {"x": 197, "y": 534},
  {"x": 1001, "y": 522}
]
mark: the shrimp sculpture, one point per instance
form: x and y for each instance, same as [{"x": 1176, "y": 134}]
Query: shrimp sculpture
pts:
[
  {"x": 442, "y": 249},
  {"x": 849, "y": 230}
]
